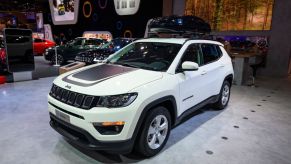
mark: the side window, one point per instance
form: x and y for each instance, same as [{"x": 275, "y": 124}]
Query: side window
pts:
[
  {"x": 78, "y": 42},
  {"x": 36, "y": 40},
  {"x": 218, "y": 50},
  {"x": 97, "y": 42},
  {"x": 192, "y": 54},
  {"x": 210, "y": 53},
  {"x": 90, "y": 42}
]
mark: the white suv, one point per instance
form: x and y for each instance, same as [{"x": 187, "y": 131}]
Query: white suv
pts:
[{"x": 138, "y": 94}]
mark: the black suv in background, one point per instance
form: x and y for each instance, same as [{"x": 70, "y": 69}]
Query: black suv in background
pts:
[
  {"x": 71, "y": 49},
  {"x": 104, "y": 51}
]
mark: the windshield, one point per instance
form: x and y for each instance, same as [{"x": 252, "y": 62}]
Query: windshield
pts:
[
  {"x": 147, "y": 55},
  {"x": 107, "y": 45}
]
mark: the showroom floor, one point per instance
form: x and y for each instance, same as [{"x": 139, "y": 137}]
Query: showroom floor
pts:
[{"x": 255, "y": 128}]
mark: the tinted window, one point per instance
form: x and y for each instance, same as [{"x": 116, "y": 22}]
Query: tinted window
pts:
[
  {"x": 210, "y": 53},
  {"x": 95, "y": 42},
  {"x": 192, "y": 54},
  {"x": 36, "y": 40},
  {"x": 78, "y": 42},
  {"x": 218, "y": 50}
]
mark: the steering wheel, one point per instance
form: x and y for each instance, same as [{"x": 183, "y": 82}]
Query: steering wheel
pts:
[{"x": 160, "y": 64}]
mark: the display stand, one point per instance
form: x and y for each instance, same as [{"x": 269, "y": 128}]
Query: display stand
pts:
[
  {"x": 22, "y": 76},
  {"x": 56, "y": 58},
  {"x": 71, "y": 66}
]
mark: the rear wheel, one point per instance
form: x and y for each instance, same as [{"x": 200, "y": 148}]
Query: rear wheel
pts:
[
  {"x": 154, "y": 132},
  {"x": 223, "y": 96}
]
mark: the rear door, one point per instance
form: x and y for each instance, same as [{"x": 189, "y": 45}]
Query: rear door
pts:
[{"x": 212, "y": 68}]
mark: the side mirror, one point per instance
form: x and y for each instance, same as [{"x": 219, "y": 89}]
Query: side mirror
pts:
[{"x": 190, "y": 66}]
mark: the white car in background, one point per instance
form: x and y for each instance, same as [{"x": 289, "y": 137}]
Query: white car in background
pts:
[{"x": 134, "y": 98}]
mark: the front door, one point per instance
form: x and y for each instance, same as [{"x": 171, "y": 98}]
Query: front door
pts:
[
  {"x": 192, "y": 83},
  {"x": 73, "y": 49}
]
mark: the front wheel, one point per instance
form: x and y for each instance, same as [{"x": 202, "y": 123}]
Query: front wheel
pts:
[
  {"x": 60, "y": 59},
  {"x": 223, "y": 96},
  {"x": 154, "y": 132}
]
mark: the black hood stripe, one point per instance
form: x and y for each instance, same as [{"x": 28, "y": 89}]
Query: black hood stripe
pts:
[{"x": 98, "y": 74}]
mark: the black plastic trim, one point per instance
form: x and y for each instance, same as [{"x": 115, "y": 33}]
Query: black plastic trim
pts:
[
  {"x": 70, "y": 113},
  {"x": 189, "y": 111},
  {"x": 229, "y": 76},
  {"x": 187, "y": 98},
  {"x": 65, "y": 129},
  {"x": 150, "y": 106}
]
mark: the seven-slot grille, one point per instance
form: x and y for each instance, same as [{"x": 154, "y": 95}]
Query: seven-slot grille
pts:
[{"x": 74, "y": 99}]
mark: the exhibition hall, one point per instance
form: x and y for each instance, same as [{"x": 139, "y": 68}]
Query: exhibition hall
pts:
[{"x": 145, "y": 81}]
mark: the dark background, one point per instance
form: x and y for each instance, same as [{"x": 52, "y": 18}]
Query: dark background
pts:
[{"x": 106, "y": 19}]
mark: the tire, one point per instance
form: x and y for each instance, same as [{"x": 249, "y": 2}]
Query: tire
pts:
[
  {"x": 60, "y": 59},
  {"x": 224, "y": 96},
  {"x": 143, "y": 145}
]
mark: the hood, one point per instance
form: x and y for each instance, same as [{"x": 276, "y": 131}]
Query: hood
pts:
[{"x": 106, "y": 79}]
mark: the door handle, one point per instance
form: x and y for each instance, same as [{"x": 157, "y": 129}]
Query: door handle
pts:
[
  {"x": 222, "y": 65},
  {"x": 203, "y": 72}
]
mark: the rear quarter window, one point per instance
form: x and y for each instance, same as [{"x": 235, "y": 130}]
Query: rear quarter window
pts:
[{"x": 210, "y": 53}]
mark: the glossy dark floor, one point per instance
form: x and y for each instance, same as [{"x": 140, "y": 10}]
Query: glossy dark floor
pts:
[{"x": 255, "y": 128}]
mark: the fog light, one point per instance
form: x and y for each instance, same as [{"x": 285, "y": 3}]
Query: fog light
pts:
[
  {"x": 112, "y": 123},
  {"x": 109, "y": 128}
]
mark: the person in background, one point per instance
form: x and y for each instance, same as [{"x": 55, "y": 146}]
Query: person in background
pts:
[
  {"x": 56, "y": 39},
  {"x": 63, "y": 39},
  {"x": 226, "y": 44}
]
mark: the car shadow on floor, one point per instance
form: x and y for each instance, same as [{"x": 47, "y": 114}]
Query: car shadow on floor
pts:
[{"x": 182, "y": 130}]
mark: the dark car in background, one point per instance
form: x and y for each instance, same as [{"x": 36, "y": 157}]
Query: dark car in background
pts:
[
  {"x": 71, "y": 49},
  {"x": 90, "y": 56}
]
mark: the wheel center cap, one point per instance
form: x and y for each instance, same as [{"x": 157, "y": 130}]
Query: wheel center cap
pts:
[{"x": 156, "y": 131}]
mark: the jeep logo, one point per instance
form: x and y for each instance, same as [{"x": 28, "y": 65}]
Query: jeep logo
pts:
[{"x": 67, "y": 86}]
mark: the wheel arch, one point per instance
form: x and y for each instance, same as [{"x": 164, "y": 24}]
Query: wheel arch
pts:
[
  {"x": 168, "y": 102},
  {"x": 229, "y": 78}
]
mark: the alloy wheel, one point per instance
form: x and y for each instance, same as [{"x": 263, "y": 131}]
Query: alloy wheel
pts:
[
  {"x": 157, "y": 131},
  {"x": 225, "y": 95}
]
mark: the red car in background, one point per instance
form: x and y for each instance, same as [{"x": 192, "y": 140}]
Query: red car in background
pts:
[
  {"x": 2, "y": 59},
  {"x": 39, "y": 45}
]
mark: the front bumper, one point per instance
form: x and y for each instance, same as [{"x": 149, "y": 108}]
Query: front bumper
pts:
[
  {"x": 84, "y": 119},
  {"x": 83, "y": 139},
  {"x": 86, "y": 59}
]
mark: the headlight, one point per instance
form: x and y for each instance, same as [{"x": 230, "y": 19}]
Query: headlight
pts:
[{"x": 116, "y": 101}]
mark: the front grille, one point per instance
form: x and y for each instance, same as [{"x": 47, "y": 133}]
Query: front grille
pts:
[
  {"x": 73, "y": 98},
  {"x": 86, "y": 59}
]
